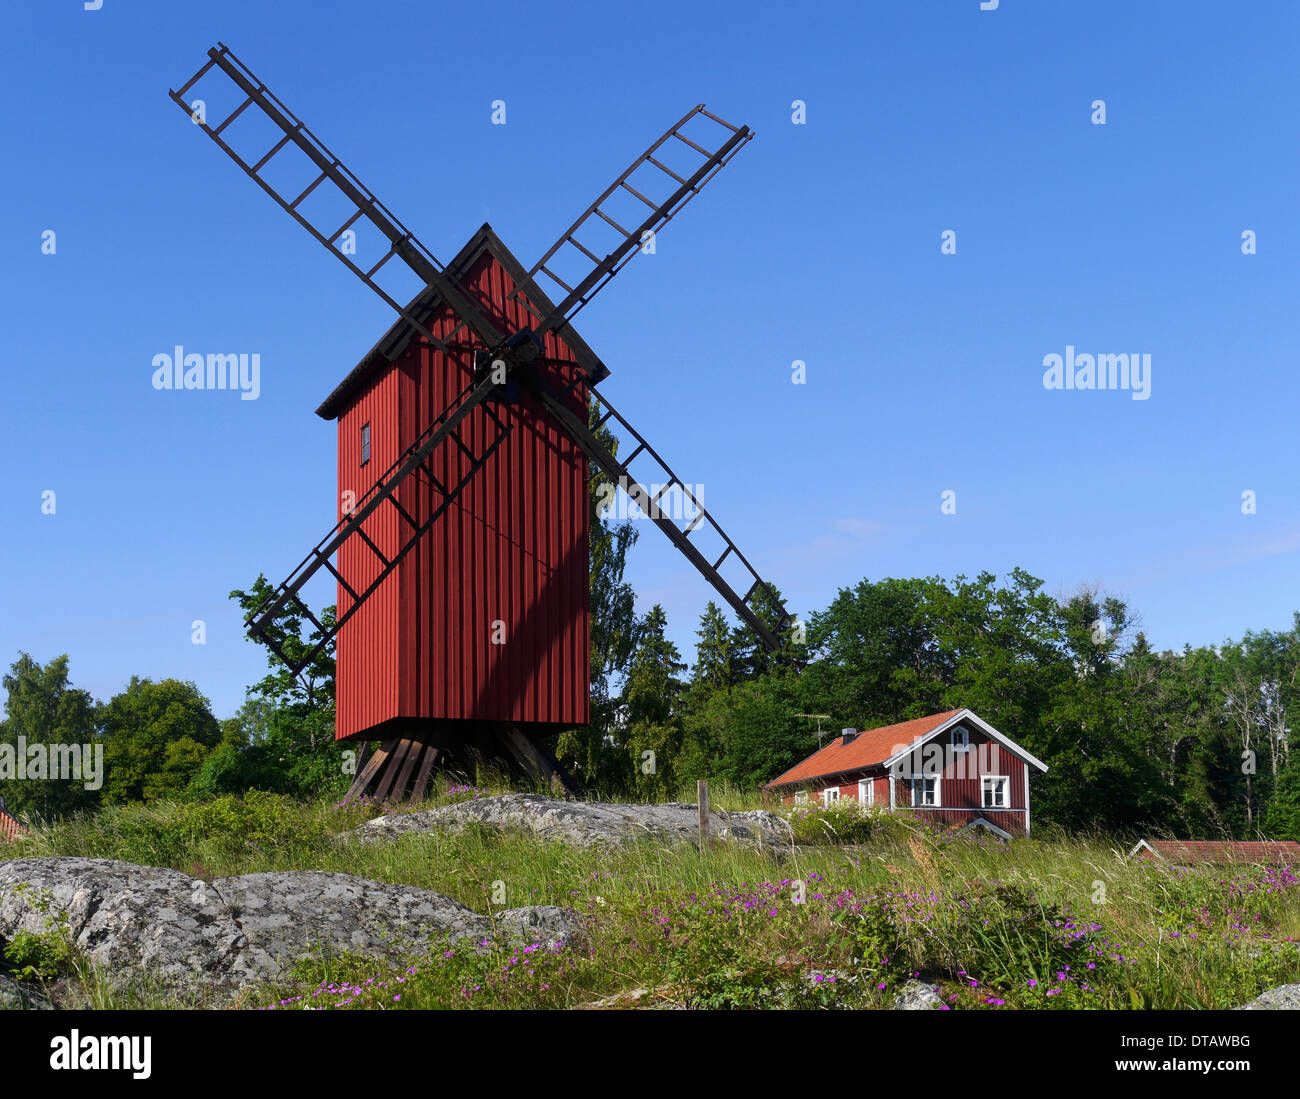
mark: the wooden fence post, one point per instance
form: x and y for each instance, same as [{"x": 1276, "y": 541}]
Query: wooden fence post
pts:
[{"x": 702, "y": 795}]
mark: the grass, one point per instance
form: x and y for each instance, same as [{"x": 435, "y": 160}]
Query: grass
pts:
[{"x": 1049, "y": 922}]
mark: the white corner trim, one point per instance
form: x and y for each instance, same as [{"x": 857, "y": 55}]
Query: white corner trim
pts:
[
  {"x": 1026, "y": 799},
  {"x": 981, "y": 822}
]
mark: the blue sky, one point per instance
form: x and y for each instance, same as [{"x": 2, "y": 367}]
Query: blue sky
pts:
[{"x": 820, "y": 242}]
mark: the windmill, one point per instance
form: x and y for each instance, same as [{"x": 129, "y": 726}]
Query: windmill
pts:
[{"x": 460, "y": 551}]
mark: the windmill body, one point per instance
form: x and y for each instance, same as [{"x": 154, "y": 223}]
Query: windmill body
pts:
[{"x": 485, "y": 621}]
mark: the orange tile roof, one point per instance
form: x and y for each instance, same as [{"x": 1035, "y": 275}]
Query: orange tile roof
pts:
[
  {"x": 11, "y": 828},
  {"x": 1198, "y": 852},
  {"x": 865, "y": 750}
]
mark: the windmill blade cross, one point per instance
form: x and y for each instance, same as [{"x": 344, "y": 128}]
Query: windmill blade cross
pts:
[
  {"x": 518, "y": 349},
  {"x": 573, "y": 298},
  {"x": 403, "y": 243}
]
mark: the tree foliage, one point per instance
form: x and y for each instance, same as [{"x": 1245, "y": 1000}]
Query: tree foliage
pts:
[
  {"x": 156, "y": 738},
  {"x": 44, "y": 709}
]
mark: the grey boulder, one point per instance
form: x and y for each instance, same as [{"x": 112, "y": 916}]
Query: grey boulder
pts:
[
  {"x": 1282, "y": 998},
  {"x": 211, "y": 939},
  {"x": 583, "y": 823},
  {"x": 918, "y": 996},
  {"x": 17, "y": 996}
]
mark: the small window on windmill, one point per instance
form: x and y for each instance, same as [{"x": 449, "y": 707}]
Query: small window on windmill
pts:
[{"x": 365, "y": 443}]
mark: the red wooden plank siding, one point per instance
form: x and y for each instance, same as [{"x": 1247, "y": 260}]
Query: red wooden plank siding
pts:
[
  {"x": 967, "y": 792},
  {"x": 512, "y": 548},
  {"x": 369, "y": 639}
]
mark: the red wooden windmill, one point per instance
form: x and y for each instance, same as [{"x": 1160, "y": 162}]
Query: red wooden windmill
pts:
[{"x": 461, "y": 553}]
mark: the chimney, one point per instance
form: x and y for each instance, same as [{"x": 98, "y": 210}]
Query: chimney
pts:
[{"x": 848, "y": 735}]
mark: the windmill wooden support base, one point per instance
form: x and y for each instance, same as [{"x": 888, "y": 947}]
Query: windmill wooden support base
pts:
[{"x": 401, "y": 768}]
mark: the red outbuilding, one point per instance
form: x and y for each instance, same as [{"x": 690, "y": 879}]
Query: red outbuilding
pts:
[
  {"x": 485, "y": 620},
  {"x": 953, "y": 769},
  {"x": 1219, "y": 852},
  {"x": 11, "y": 828}
]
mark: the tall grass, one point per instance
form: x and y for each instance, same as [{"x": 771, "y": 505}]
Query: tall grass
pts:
[{"x": 1059, "y": 921}]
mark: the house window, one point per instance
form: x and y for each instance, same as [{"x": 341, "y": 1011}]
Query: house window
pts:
[
  {"x": 801, "y": 797},
  {"x": 925, "y": 791},
  {"x": 866, "y": 792},
  {"x": 961, "y": 739},
  {"x": 830, "y": 794},
  {"x": 365, "y": 443},
  {"x": 997, "y": 791}
]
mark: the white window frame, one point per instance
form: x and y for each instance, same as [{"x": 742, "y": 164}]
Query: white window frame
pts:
[
  {"x": 866, "y": 791},
  {"x": 830, "y": 794},
  {"x": 986, "y": 788},
  {"x": 937, "y": 803},
  {"x": 801, "y": 797},
  {"x": 961, "y": 744}
]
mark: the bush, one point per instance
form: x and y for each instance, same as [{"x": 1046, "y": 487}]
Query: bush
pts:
[
  {"x": 231, "y": 770},
  {"x": 227, "y": 830},
  {"x": 229, "y": 826},
  {"x": 40, "y": 956},
  {"x": 840, "y": 822}
]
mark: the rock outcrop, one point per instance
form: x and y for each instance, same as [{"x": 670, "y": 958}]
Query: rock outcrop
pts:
[
  {"x": 918, "y": 996},
  {"x": 1282, "y": 998},
  {"x": 584, "y": 823},
  {"x": 208, "y": 940},
  {"x": 19, "y": 996}
]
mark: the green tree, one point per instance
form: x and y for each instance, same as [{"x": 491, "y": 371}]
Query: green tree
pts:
[
  {"x": 244, "y": 759},
  {"x": 156, "y": 737},
  {"x": 652, "y": 724},
  {"x": 715, "y": 657},
  {"x": 754, "y": 726},
  {"x": 591, "y": 752},
  {"x": 1282, "y": 818},
  {"x": 43, "y": 709},
  {"x": 294, "y": 714},
  {"x": 751, "y": 655},
  {"x": 874, "y": 656}
]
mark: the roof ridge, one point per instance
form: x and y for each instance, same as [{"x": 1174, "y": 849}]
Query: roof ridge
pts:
[{"x": 390, "y": 346}]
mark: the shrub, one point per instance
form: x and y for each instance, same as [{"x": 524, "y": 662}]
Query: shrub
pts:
[
  {"x": 840, "y": 822},
  {"x": 231, "y": 825},
  {"x": 41, "y": 956}
]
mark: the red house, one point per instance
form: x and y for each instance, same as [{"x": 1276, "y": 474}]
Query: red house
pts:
[
  {"x": 485, "y": 621},
  {"x": 952, "y": 769}
]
